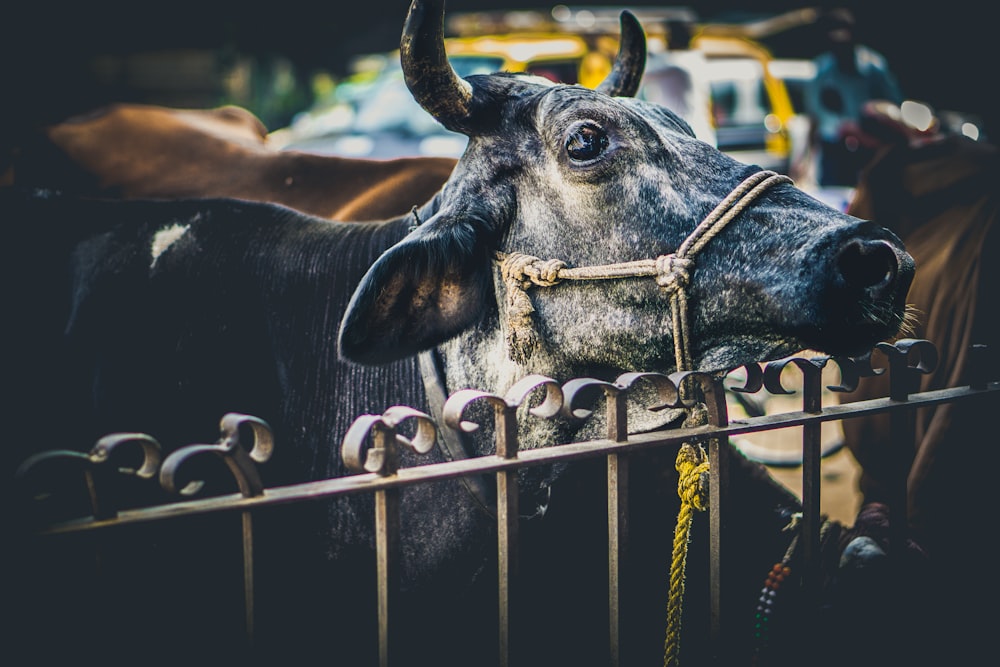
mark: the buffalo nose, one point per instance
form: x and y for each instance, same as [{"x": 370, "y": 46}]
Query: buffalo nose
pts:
[{"x": 869, "y": 264}]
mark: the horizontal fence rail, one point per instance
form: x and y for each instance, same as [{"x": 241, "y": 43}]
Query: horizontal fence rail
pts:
[{"x": 372, "y": 445}]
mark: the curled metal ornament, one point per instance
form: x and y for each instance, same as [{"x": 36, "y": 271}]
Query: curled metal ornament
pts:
[
  {"x": 240, "y": 460},
  {"x": 708, "y": 390},
  {"x": 667, "y": 392},
  {"x": 811, "y": 368},
  {"x": 148, "y": 446},
  {"x": 754, "y": 379},
  {"x": 370, "y": 443},
  {"x": 456, "y": 404},
  {"x": 100, "y": 454},
  {"x": 524, "y": 388},
  {"x": 852, "y": 370},
  {"x": 908, "y": 359},
  {"x": 580, "y": 389},
  {"x": 94, "y": 469},
  {"x": 518, "y": 394}
]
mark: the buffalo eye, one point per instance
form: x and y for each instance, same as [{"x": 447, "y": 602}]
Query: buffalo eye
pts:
[{"x": 586, "y": 142}]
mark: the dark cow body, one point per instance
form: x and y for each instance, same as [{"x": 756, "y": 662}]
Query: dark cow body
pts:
[
  {"x": 132, "y": 151},
  {"x": 159, "y": 317}
]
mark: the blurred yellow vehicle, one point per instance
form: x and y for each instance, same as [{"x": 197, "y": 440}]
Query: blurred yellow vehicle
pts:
[
  {"x": 561, "y": 57},
  {"x": 751, "y": 107}
]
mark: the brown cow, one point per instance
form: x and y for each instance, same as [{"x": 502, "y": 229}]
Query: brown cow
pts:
[
  {"x": 142, "y": 151},
  {"x": 942, "y": 197}
]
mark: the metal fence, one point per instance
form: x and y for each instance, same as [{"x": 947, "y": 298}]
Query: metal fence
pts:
[{"x": 372, "y": 447}]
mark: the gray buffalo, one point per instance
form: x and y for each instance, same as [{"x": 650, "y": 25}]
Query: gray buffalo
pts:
[{"x": 583, "y": 233}]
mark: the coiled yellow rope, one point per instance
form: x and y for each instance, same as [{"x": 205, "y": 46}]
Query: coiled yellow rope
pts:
[{"x": 692, "y": 487}]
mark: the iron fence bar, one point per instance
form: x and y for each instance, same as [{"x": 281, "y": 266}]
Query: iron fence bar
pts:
[
  {"x": 366, "y": 482},
  {"x": 618, "y": 528},
  {"x": 812, "y": 460},
  {"x": 618, "y": 468},
  {"x": 719, "y": 451},
  {"x": 387, "y": 547},
  {"x": 246, "y": 518},
  {"x": 387, "y": 536},
  {"x": 719, "y": 463},
  {"x": 507, "y": 525},
  {"x": 904, "y": 380}
]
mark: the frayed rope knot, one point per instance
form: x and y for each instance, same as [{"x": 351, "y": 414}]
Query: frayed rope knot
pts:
[
  {"x": 520, "y": 272},
  {"x": 525, "y": 270},
  {"x": 692, "y": 471},
  {"x": 673, "y": 273}
]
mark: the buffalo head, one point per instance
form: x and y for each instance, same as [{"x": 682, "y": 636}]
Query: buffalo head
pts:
[{"x": 582, "y": 178}]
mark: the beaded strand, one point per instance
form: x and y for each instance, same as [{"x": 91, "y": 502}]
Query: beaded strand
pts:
[
  {"x": 778, "y": 573},
  {"x": 776, "y": 576}
]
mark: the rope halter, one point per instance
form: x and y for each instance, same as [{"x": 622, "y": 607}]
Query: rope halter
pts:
[{"x": 672, "y": 272}]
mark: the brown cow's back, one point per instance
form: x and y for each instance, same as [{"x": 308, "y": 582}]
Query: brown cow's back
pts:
[{"x": 142, "y": 151}]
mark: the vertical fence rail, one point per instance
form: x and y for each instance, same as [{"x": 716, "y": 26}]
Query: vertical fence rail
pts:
[
  {"x": 372, "y": 444},
  {"x": 507, "y": 527},
  {"x": 241, "y": 463},
  {"x": 617, "y": 469},
  {"x": 387, "y": 548},
  {"x": 718, "y": 497}
]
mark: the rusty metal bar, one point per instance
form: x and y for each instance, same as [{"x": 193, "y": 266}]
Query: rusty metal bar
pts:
[
  {"x": 388, "y": 545},
  {"x": 387, "y": 548},
  {"x": 241, "y": 462},
  {"x": 617, "y": 471},
  {"x": 507, "y": 527},
  {"x": 908, "y": 359},
  {"x": 812, "y": 461},
  {"x": 382, "y": 459},
  {"x": 719, "y": 452},
  {"x": 248, "y": 575}
]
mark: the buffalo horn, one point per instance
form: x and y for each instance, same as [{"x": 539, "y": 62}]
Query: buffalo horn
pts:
[
  {"x": 626, "y": 74},
  {"x": 431, "y": 79}
]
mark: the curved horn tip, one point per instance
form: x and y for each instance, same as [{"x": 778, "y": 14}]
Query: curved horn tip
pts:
[
  {"x": 427, "y": 71},
  {"x": 625, "y": 16},
  {"x": 626, "y": 73}
]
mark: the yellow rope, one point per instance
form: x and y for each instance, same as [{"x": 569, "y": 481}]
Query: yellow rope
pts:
[{"x": 692, "y": 487}]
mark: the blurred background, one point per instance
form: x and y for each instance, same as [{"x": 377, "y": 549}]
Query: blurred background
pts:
[
  {"x": 324, "y": 77},
  {"x": 64, "y": 57}
]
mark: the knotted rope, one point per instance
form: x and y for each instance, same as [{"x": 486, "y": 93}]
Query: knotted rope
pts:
[
  {"x": 672, "y": 272},
  {"x": 692, "y": 487}
]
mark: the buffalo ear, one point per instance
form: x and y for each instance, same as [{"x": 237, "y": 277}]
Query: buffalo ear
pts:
[{"x": 419, "y": 293}]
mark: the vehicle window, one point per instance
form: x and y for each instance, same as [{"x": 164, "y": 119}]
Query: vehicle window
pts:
[{"x": 739, "y": 96}]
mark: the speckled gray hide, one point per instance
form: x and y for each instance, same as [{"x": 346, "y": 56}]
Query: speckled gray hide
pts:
[{"x": 789, "y": 273}]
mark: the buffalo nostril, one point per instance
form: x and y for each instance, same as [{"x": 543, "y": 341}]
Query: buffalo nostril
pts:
[{"x": 866, "y": 264}]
